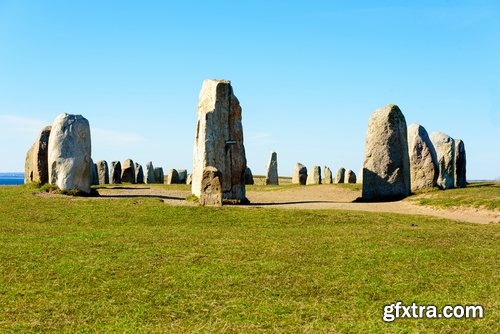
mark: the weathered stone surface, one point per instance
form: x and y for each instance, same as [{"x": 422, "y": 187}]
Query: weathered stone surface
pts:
[
  {"x": 172, "y": 177},
  {"x": 69, "y": 153},
  {"x": 182, "y": 175},
  {"x": 150, "y": 173},
  {"x": 94, "y": 175},
  {"x": 189, "y": 179},
  {"x": 423, "y": 160},
  {"x": 128, "y": 171},
  {"x": 36, "y": 166},
  {"x": 103, "y": 172},
  {"x": 115, "y": 172},
  {"x": 359, "y": 177},
  {"x": 340, "y": 175},
  {"x": 314, "y": 176},
  {"x": 386, "y": 167},
  {"x": 272, "y": 170},
  {"x": 349, "y": 176},
  {"x": 299, "y": 174},
  {"x": 460, "y": 164},
  {"x": 211, "y": 188},
  {"x": 159, "y": 176},
  {"x": 327, "y": 175},
  {"x": 248, "y": 176},
  {"x": 445, "y": 153},
  {"x": 139, "y": 173},
  {"x": 219, "y": 141}
]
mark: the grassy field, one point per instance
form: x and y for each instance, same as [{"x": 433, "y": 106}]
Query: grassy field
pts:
[{"x": 74, "y": 264}]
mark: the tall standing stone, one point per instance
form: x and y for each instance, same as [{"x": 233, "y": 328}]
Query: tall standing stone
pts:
[
  {"x": 150, "y": 173},
  {"x": 327, "y": 175},
  {"x": 248, "y": 176},
  {"x": 94, "y": 175},
  {"x": 139, "y": 173},
  {"x": 423, "y": 161},
  {"x": 159, "y": 176},
  {"x": 272, "y": 170},
  {"x": 172, "y": 177},
  {"x": 349, "y": 176},
  {"x": 314, "y": 176},
  {"x": 103, "y": 172},
  {"x": 219, "y": 142},
  {"x": 340, "y": 175},
  {"x": 299, "y": 174},
  {"x": 128, "y": 171},
  {"x": 445, "y": 153},
  {"x": 36, "y": 167},
  {"x": 460, "y": 164},
  {"x": 69, "y": 153},
  {"x": 115, "y": 172},
  {"x": 386, "y": 166}
]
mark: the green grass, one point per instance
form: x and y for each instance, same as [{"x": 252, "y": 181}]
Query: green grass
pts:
[
  {"x": 79, "y": 264},
  {"x": 476, "y": 195}
]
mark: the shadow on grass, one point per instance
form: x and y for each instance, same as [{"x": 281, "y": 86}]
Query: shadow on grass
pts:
[{"x": 143, "y": 196}]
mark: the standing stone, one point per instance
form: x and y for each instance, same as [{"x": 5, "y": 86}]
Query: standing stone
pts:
[
  {"x": 36, "y": 167},
  {"x": 150, "y": 173},
  {"x": 219, "y": 142},
  {"x": 115, "y": 172},
  {"x": 349, "y": 176},
  {"x": 299, "y": 174},
  {"x": 69, "y": 153},
  {"x": 248, "y": 176},
  {"x": 128, "y": 171},
  {"x": 182, "y": 175},
  {"x": 359, "y": 177},
  {"x": 103, "y": 172},
  {"x": 423, "y": 161},
  {"x": 386, "y": 167},
  {"x": 460, "y": 164},
  {"x": 159, "y": 176},
  {"x": 445, "y": 153},
  {"x": 340, "y": 176},
  {"x": 272, "y": 170},
  {"x": 172, "y": 177},
  {"x": 189, "y": 179},
  {"x": 139, "y": 174},
  {"x": 94, "y": 175},
  {"x": 315, "y": 176},
  {"x": 211, "y": 188},
  {"x": 327, "y": 173}
]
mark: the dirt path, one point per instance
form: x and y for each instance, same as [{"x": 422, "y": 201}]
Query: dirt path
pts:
[{"x": 313, "y": 197}]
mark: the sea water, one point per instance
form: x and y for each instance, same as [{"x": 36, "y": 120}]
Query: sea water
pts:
[{"x": 11, "y": 179}]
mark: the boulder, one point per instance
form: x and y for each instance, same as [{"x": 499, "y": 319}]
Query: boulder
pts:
[
  {"x": 103, "y": 172},
  {"x": 159, "y": 176},
  {"x": 349, "y": 176},
  {"x": 69, "y": 153},
  {"x": 128, "y": 171},
  {"x": 211, "y": 192},
  {"x": 189, "y": 179},
  {"x": 423, "y": 161},
  {"x": 327, "y": 175},
  {"x": 299, "y": 174},
  {"x": 94, "y": 175},
  {"x": 340, "y": 176},
  {"x": 460, "y": 164},
  {"x": 139, "y": 173},
  {"x": 248, "y": 176},
  {"x": 115, "y": 172},
  {"x": 219, "y": 141},
  {"x": 386, "y": 166},
  {"x": 150, "y": 173},
  {"x": 172, "y": 177},
  {"x": 272, "y": 170},
  {"x": 182, "y": 175},
  {"x": 314, "y": 176},
  {"x": 36, "y": 167},
  {"x": 445, "y": 154}
]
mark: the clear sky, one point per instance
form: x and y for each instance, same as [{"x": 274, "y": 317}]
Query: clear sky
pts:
[{"x": 308, "y": 75}]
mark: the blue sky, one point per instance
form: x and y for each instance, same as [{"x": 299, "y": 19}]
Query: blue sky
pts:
[{"x": 307, "y": 74}]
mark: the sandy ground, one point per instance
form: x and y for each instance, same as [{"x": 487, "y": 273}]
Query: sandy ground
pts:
[{"x": 312, "y": 197}]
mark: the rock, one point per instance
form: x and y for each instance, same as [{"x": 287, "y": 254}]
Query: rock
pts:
[
  {"x": 314, "y": 176},
  {"x": 359, "y": 177},
  {"x": 219, "y": 141},
  {"x": 211, "y": 188},
  {"x": 327, "y": 173},
  {"x": 460, "y": 164},
  {"x": 189, "y": 179},
  {"x": 340, "y": 176},
  {"x": 69, "y": 152},
  {"x": 159, "y": 176},
  {"x": 299, "y": 174},
  {"x": 423, "y": 160},
  {"x": 103, "y": 172},
  {"x": 128, "y": 171},
  {"x": 349, "y": 176},
  {"x": 36, "y": 167},
  {"x": 386, "y": 166},
  {"x": 115, "y": 172},
  {"x": 172, "y": 177},
  {"x": 182, "y": 175},
  {"x": 248, "y": 176},
  {"x": 150, "y": 173},
  {"x": 139, "y": 173},
  {"x": 445, "y": 153},
  {"x": 94, "y": 175},
  {"x": 272, "y": 170}
]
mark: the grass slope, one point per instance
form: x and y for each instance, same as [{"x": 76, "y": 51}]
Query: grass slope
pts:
[{"x": 132, "y": 265}]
